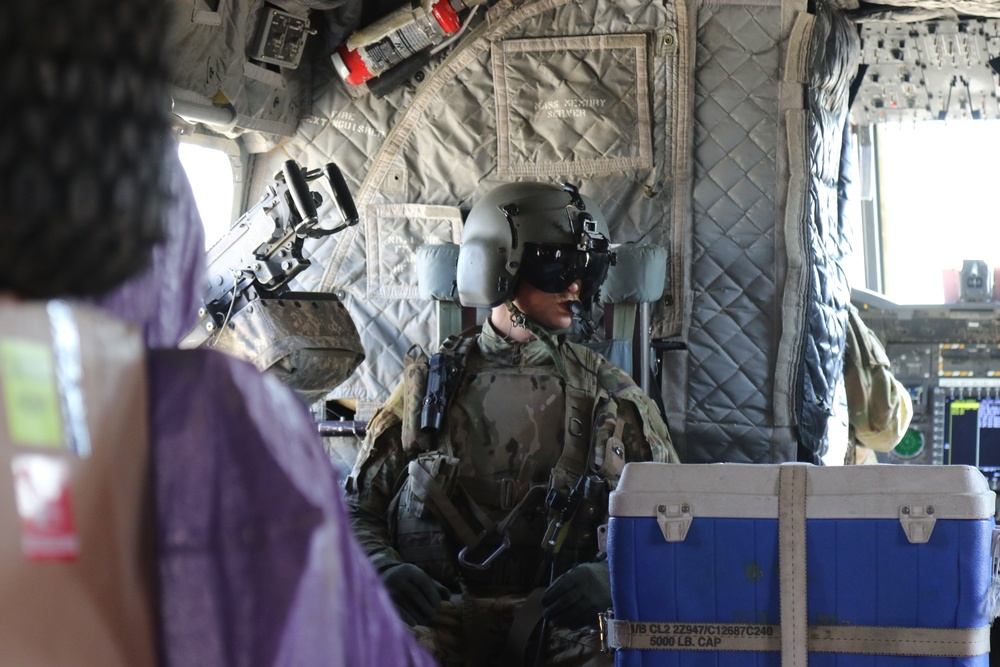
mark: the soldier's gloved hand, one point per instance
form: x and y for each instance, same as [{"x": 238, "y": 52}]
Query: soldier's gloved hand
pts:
[
  {"x": 416, "y": 595},
  {"x": 577, "y": 597}
]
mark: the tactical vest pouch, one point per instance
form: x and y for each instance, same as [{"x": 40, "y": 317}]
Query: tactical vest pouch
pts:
[
  {"x": 415, "y": 386},
  {"x": 609, "y": 449},
  {"x": 424, "y": 543},
  {"x": 442, "y": 469},
  {"x": 417, "y": 533}
]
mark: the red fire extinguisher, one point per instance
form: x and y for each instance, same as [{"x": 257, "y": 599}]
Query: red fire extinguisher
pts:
[{"x": 394, "y": 38}]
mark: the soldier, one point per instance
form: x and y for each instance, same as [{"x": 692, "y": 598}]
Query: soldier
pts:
[
  {"x": 482, "y": 488},
  {"x": 878, "y": 406}
]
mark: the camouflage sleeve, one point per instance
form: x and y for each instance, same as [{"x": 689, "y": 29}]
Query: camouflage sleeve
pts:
[
  {"x": 644, "y": 432},
  {"x": 370, "y": 491},
  {"x": 630, "y": 429},
  {"x": 878, "y": 405}
]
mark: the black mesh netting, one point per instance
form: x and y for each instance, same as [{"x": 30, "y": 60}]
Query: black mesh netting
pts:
[{"x": 84, "y": 130}]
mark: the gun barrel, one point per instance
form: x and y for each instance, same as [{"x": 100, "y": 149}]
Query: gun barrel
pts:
[{"x": 342, "y": 428}]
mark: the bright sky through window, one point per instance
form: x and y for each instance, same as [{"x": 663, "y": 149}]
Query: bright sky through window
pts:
[
  {"x": 939, "y": 187},
  {"x": 211, "y": 177}
]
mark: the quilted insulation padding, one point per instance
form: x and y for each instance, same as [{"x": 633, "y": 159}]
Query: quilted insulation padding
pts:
[
  {"x": 833, "y": 60},
  {"x": 732, "y": 341},
  {"x": 518, "y": 98},
  {"x": 768, "y": 296}
]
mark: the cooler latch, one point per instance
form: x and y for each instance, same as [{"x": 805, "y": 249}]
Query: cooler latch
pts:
[
  {"x": 674, "y": 521},
  {"x": 918, "y": 522}
]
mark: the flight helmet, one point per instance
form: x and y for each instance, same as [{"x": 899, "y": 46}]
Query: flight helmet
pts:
[{"x": 543, "y": 234}]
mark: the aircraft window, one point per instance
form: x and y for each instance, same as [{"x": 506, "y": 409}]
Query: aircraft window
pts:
[
  {"x": 937, "y": 189},
  {"x": 211, "y": 175}
]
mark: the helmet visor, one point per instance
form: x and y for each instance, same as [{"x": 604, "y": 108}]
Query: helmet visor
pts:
[{"x": 553, "y": 268}]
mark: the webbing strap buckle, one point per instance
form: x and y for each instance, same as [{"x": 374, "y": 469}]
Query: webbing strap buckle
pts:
[{"x": 605, "y": 623}]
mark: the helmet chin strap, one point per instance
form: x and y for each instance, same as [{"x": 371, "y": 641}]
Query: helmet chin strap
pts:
[
  {"x": 517, "y": 318},
  {"x": 581, "y": 313}
]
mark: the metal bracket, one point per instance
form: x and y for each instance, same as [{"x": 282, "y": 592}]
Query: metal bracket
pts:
[
  {"x": 604, "y": 620},
  {"x": 918, "y": 522},
  {"x": 674, "y": 521},
  {"x": 466, "y": 558}
]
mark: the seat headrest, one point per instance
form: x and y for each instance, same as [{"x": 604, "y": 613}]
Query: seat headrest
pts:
[
  {"x": 638, "y": 275},
  {"x": 437, "y": 266}
]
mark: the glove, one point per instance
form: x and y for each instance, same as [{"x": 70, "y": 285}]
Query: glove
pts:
[
  {"x": 576, "y": 598},
  {"x": 416, "y": 595}
]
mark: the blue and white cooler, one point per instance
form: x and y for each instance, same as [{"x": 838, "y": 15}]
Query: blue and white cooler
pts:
[{"x": 740, "y": 565}]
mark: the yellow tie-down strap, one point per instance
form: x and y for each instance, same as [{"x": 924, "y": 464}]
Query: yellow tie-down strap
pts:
[{"x": 870, "y": 640}]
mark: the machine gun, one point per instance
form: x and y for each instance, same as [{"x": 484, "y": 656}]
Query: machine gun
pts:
[
  {"x": 307, "y": 337},
  {"x": 262, "y": 252}
]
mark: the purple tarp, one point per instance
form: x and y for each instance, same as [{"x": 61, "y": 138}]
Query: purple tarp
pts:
[{"x": 257, "y": 562}]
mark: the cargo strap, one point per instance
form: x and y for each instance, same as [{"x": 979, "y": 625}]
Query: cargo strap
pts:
[
  {"x": 792, "y": 564},
  {"x": 437, "y": 500},
  {"x": 867, "y": 640},
  {"x": 500, "y": 493}
]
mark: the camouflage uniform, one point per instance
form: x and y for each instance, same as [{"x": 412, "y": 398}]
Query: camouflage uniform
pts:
[
  {"x": 878, "y": 406},
  {"x": 508, "y": 438}
]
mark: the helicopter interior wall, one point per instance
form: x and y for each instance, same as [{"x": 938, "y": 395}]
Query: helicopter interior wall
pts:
[
  {"x": 734, "y": 273},
  {"x": 732, "y": 333},
  {"x": 541, "y": 91},
  {"x": 767, "y": 294},
  {"x": 704, "y": 128}
]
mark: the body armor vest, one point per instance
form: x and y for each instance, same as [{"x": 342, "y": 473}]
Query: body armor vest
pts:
[{"x": 489, "y": 486}]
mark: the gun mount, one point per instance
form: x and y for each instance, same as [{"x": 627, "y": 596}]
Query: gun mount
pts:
[{"x": 307, "y": 338}]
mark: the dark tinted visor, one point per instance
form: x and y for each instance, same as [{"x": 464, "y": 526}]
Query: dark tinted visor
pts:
[{"x": 553, "y": 268}]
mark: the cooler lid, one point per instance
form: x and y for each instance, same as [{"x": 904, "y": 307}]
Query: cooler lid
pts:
[{"x": 744, "y": 490}]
